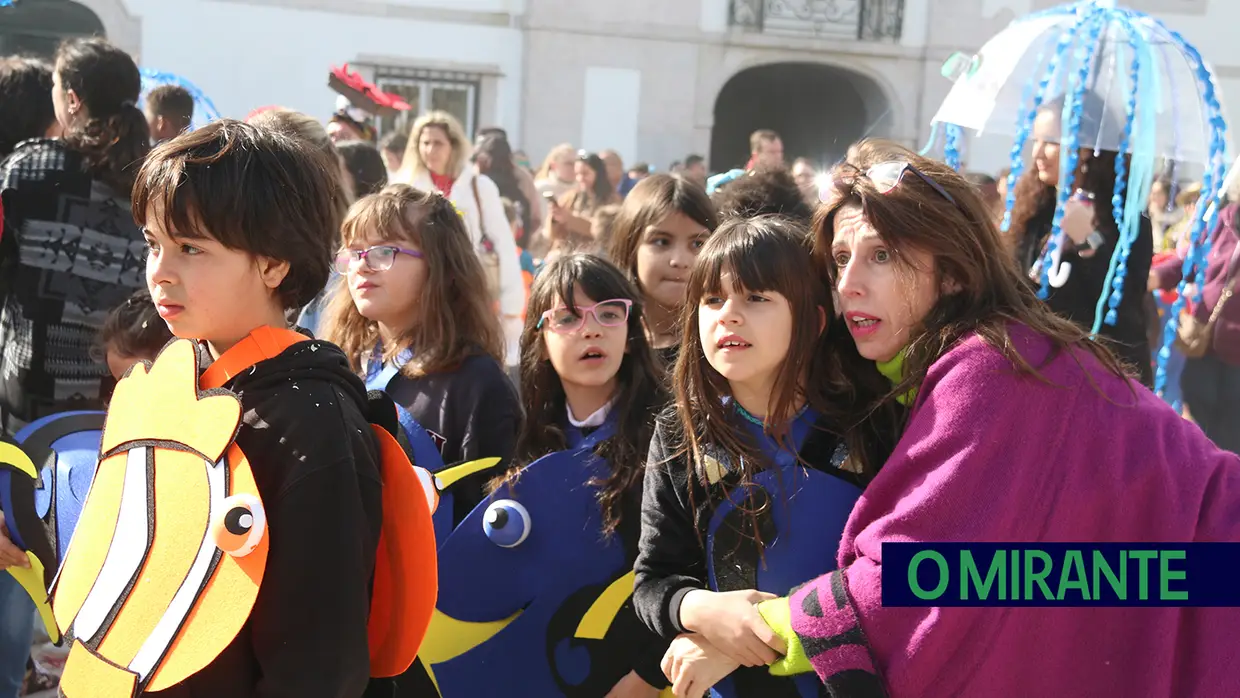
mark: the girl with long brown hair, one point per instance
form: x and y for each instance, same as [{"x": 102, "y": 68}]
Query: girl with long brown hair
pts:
[
  {"x": 413, "y": 315},
  {"x": 655, "y": 237},
  {"x": 756, "y": 441},
  {"x": 1021, "y": 428},
  {"x": 589, "y": 381},
  {"x": 585, "y": 362}
]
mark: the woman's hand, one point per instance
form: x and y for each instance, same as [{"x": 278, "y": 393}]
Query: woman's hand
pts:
[
  {"x": 1078, "y": 219},
  {"x": 693, "y": 665},
  {"x": 730, "y": 621},
  {"x": 10, "y": 555},
  {"x": 632, "y": 686}
]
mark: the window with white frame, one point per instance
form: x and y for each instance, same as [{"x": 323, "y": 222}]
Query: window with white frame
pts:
[{"x": 430, "y": 90}]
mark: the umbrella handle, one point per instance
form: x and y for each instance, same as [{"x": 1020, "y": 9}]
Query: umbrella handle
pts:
[{"x": 1059, "y": 272}]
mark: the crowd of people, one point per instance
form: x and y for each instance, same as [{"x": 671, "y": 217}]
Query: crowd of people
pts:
[{"x": 869, "y": 324}]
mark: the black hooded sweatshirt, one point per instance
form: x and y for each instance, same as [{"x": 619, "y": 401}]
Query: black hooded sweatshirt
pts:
[{"x": 306, "y": 433}]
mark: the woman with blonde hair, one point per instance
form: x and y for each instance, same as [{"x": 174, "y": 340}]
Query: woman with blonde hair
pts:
[
  {"x": 556, "y": 176},
  {"x": 437, "y": 159}
]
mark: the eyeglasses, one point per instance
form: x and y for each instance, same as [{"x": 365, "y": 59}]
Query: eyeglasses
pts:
[
  {"x": 563, "y": 320},
  {"x": 378, "y": 258},
  {"x": 885, "y": 176}
]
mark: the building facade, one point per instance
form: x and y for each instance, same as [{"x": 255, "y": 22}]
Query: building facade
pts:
[{"x": 653, "y": 79}]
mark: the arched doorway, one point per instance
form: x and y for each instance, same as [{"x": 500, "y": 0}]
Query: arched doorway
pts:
[
  {"x": 818, "y": 111},
  {"x": 38, "y": 27}
]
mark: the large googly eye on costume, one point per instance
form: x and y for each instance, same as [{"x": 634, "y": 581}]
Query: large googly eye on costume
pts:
[
  {"x": 506, "y": 523},
  {"x": 240, "y": 527},
  {"x": 430, "y": 485}
]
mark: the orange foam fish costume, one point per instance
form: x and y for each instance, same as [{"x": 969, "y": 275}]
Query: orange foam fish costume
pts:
[{"x": 171, "y": 546}]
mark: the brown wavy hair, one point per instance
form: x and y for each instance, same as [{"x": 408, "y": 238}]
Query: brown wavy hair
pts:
[
  {"x": 455, "y": 319},
  {"x": 639, "y": 393},
  {"x": 968, "y": 254},
  {"x": 115, "y": 138},
  {"x": 1034, "y": 205}
]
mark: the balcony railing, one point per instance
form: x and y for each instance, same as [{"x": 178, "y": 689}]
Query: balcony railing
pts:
[{"x": 865, "y": 20}]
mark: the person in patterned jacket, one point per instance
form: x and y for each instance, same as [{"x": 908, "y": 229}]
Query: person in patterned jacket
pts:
[{"x": 70, "y": 250}]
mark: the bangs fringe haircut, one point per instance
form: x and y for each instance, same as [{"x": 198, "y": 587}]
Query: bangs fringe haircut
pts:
[{"x": 767, "y": 253}]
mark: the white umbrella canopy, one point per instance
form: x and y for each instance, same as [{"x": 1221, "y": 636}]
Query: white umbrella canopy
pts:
[
  {"x": 1041, "y": 55},
  {"x": 1121, "y": 81}
]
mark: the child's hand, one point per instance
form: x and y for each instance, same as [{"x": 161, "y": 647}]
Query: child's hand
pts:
[
  {"x": 632, "y": 686},
  {"x": 10, "y": 555},
  {"x": 693, "y": 665},
  {"x": 730, "y": 621}
]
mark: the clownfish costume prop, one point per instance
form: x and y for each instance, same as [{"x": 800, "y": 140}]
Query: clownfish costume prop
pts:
[{"x": 171, "y": 549}]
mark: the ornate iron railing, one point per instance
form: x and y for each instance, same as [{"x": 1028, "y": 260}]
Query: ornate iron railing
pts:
[{"x": 865, "y": 20}]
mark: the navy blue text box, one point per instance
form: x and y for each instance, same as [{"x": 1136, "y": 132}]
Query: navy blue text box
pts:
[{"x": 1061, "y": 574}]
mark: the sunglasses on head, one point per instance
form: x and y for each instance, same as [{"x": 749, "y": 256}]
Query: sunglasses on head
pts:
[{"x": 885, "y": 176}]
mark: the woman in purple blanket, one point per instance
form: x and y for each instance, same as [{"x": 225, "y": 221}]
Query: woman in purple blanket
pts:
[{"x": 1021, "y": 429}]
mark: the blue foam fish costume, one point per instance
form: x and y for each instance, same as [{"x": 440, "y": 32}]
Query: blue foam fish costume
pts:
[
  {"x": 533, "y": 600},
  {"x": 424, "y": 451},
  {"x": 44, "y": 479},
  {"x": 802, "y": 516}
]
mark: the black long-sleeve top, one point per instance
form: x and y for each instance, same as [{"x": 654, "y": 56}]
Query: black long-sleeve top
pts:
[
  {"x": 1077, "y": 299},
  {"x": 307, "y": 436}
]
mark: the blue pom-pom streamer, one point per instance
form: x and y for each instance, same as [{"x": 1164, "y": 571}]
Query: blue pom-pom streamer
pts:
[
  {"x": 951, "y": 148},
  {"x": 1033, "y": 97},
  {"x": 1069, "y": 155},
  {"x": 1212, "y": 181}
]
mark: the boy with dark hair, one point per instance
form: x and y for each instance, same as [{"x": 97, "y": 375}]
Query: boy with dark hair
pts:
[
  {"x": 695, "y": 170},
  {"x": 239, "y": 225},
  {"x": 169, "y": 111}
]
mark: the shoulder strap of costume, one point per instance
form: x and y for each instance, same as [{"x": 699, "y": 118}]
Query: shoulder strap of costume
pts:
[{"x": 261, "y": 344}]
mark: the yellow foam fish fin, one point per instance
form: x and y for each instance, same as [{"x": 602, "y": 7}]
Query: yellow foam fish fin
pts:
[
  {"x": 448, "y": 638},
  {"x": 32, "y": 580},
  {"x": 597, "y": 620},
  {"x": 446, "y": 477}
]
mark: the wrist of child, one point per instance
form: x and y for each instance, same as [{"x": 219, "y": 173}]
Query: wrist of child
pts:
[{"x": 690, "y": 602}]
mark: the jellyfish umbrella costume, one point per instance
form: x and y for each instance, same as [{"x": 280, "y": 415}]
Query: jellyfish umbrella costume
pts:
[
  {"x": 1127, "y": 84},
  {"x": 204, "y": 109}
]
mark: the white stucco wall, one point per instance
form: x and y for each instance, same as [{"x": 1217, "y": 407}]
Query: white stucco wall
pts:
[{"x": 246, "y": 55}]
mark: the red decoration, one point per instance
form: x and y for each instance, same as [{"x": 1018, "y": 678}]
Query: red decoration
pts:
[{"x": 364, "y": 95}]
